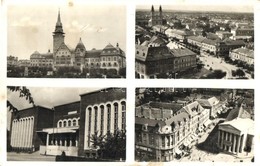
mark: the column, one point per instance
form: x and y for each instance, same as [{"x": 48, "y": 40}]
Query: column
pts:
[
  {"x": 98, "y": 118},
  {"x": 112, "y": 119},
  {"x": 23, "y": 133},
  {"x": 226, "y": 138},
  {"x": 234, "y": 143},
  {"x": 105, "y": 120},
  {"x": 222, "y": 140},
  {"x": 238, "y": 144},
  {"x": 26, "y": 133},
  {"x": 32, "y": 127},
  {"x": 119, "y": 120},
  {"x": 60, "y": 141},
  {"x": 86, "y": 128},
  {"x": 12, "y": 134},
  {"x": 70, "y": 142},
  {"x": 219, "y": 137},
  {"x": 230, "y": 140},
  {"x": 241, "y": 143},
  {"x": 47, "y": 140},
  {"x": 30, "y": 132},
  {"x": 20, "y": 133}
]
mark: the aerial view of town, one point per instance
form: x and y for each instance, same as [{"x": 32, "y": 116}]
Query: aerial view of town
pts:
[
  {"x": 66, "y": 42},
  {"x": 202, "y": 44},
  {"x": 194, "y": 124}
]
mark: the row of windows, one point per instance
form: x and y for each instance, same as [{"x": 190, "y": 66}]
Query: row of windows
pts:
[
  {"x": 68, "y": 122},
  {"x": 109, "y": 58}
]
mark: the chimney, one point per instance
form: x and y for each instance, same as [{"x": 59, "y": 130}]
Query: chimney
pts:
[{"x": 117, "y": 45}]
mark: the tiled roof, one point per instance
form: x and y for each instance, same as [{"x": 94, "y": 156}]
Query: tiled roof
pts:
[
  {"x": 144, "y": 53},
  {"x": 238, "y": 113},
  {"x": 182, "y": 52},
  {"x": 93, "y": 53}
]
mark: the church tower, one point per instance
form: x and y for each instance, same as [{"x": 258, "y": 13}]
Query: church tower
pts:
[
  {"x": 160, "y": 11},
  {"x": 58, "y": 35}
]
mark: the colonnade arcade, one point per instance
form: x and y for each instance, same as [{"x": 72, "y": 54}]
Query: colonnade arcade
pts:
[{"x": 22, "y": 133}]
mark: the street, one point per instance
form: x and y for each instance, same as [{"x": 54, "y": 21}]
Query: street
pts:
[{"x": 219, "y": 64}]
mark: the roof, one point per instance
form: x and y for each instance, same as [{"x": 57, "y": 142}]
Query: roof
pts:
[
  {"x": 93, "y": 53},
  {"x": 234, "y": 42},
  {"x": 240, "y": 124},
  {"x": 245, "y": 51},
  {"x": 144, "y": 53},
  {"x": 197, "y": 38},
  {"x": 180, "y": 52},
  {"x": 208, "y": 102},
  {"x": 209, "y": 42},
  {"x": 238, "y": 113},
  {"x": 111, "y": 50},
  {"x": 193, "y": 108},
  {"x": 80, "y": 45}
]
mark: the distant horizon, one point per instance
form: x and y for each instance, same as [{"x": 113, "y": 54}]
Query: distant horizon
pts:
[{"x": 201, "y": 8}]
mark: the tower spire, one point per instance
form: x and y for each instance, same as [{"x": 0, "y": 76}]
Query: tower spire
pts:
[
  {"x": 58, "y": 27},
  {"x": 152, "y": 10}
]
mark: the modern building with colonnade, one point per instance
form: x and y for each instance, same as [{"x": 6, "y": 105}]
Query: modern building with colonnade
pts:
[{"x": 69, "y": 127}]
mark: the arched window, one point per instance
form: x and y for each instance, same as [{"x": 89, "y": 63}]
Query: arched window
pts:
[
  {"x": 60, "y": 124},
  {"x": 69, "y": 122},
  {"x": 108, "y": 117},
  {"x": 64, "y": 123},
  {"x": 74, "y": 122}
]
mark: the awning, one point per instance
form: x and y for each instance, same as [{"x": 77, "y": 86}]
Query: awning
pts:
[{"x": 60, "y": 130}]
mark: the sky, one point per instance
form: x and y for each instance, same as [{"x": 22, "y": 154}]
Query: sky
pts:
[
  {"x": 46, "y": 97},
  {"x": 30, "y": 27}
]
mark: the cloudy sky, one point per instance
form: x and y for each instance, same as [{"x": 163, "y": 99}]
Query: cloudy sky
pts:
[
  {"x": 30, "y": 27},
  {"x": 47, "y": 97}
]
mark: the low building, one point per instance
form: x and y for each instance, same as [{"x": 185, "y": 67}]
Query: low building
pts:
[
  {"x": 214, "y": 105},
  {"x": 24, "y": 126},
  {"x": 242, "y": 54},
  {"x": 180, "y": 34}
]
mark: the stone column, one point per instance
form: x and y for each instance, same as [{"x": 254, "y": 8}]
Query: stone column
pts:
[
  {"x": 222, "y": 140},
  {"x": 234, "y": 143},
  {"x": 219, "y": 138},
  {"x": 230, "y": 140},
  {"x": 47, "y": 140},
  {"x": 12, "y": 134},
  {"x": 238, "y": 143},
  {"x": 226, "y": 139}
]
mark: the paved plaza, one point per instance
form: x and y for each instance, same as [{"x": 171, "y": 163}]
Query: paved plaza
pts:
[{"x": 13, "y": 156}]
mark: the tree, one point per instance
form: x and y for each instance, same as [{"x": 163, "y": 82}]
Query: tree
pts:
[
  {"x": 97, "y": 140},
  {"x": 24, "y": 92},
  {"x": 112, "y": 145},
  {"x": 240, "y": 73}
]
